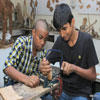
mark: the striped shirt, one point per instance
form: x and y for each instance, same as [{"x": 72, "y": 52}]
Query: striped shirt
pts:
[{"x": 21, "y": 57}]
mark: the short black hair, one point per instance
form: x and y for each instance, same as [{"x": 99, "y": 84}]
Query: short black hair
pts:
[{"x": 62, "y": 16}]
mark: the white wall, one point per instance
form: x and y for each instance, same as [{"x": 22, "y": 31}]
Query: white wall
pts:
[
  {"x": 3, "y": 55},
  {"x": 78, "y": 20},
  {"x": 78, "y": 17},
  {"x": 97, "y": 47}
]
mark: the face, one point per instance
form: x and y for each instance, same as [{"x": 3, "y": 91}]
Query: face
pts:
[
  {"x": 40, "y": 36},
  {"x": 66, "y": 31}
]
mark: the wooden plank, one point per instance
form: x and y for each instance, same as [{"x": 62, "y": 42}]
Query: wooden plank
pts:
[
  {"x": 8, "y": 93},
  {"x": 28, "y": 93},
  {"x": 14, "y": 99}
]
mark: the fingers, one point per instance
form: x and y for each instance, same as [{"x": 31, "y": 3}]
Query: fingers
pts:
[
  {"x": 35, "y": 80},
  {"x": 67, "y": 68},
  {"x": 44, "y": 59},
  {"x": 46, "y": 71},
  {"x": 45, "y": 62},
  {"x": 45, "y": 67},
  {"x": 32, "y": 81},
  {"x": 63, "y": 65}
]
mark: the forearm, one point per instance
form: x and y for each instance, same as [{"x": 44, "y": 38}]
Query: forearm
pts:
[
  {"x": 89, "y": 74},
  {"x": 14, "y": 74}
]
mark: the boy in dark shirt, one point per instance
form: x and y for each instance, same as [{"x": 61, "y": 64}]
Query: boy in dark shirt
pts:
[{"x": 79, "y": 56}]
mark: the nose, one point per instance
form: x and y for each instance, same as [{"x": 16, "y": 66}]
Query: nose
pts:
[{"x": 42, "y": 42}]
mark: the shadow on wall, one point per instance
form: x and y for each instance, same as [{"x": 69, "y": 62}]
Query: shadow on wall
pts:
[{"x": 3, "y": 55}]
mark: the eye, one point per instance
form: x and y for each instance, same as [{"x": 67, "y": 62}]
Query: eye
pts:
[
  {"x": 40, "y": 36},
  {"x": 64, "y": 28}
]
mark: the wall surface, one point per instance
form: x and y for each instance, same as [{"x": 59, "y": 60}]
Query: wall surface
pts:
[
  {"x": 78, "y": 17},
  {"x": 3, "y": 55}
]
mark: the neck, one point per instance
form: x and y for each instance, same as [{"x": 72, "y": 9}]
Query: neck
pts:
[
  {"x": 34, "y": 50},
  {"x": 73, "y": 38}
]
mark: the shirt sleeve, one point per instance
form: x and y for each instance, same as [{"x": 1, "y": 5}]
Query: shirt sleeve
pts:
[
  {"x": 92, "y": 59},
  {"x": 15, "y": 55}
]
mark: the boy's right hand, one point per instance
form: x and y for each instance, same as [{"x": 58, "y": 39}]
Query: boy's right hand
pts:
[
  {"x": 32, "y": 81},
  {"x": 45, "y": 67}
]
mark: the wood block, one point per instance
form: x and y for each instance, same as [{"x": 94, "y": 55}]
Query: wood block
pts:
[{"x": 8, "y": 93}]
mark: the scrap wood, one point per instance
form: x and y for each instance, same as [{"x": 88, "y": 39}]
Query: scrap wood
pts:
[{"x": 8, "y": 93}]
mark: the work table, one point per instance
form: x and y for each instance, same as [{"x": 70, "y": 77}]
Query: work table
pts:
[{"x": 23, "y": 92}]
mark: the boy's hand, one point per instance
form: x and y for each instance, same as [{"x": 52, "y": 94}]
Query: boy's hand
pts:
[
  {"x": 32, "y": 81},
  {"x": 67, "y": 68},
  {"x": 45, "y": 67}
]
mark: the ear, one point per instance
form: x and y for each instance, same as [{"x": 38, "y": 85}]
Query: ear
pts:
[
  {"x": 33, "y": 32},
  {"x": 73, "y": 22}
]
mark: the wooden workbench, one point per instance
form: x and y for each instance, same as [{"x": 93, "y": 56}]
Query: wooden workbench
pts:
[{"x": 23, "y": 92}]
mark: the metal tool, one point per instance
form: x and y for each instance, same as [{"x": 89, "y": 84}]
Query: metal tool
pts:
[{"x": 44, "y": 79}]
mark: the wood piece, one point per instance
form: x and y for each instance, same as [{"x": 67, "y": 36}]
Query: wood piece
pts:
[
  {"x": 57, "y": 1},
  {"x": 6, "y": 46},
  {"x": 8, "y": 93},
  {"x": 80, "y": 1},
  {"x": 33, "y": 13},
  {"x": 36, "y": 3},
  {"x": 88, "y": 6},
  {"x": 18, "y": 19},
  {"x": 90, "y": 25},
  {"x": 6, "y": 10},
  {"x": 48, "y": 4},
  {"x": 51, "y": 9},
  {"x": 53, "y": 1},
  {"x": 38, "y": 99},
  {"x": 27, "y": 93}
]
